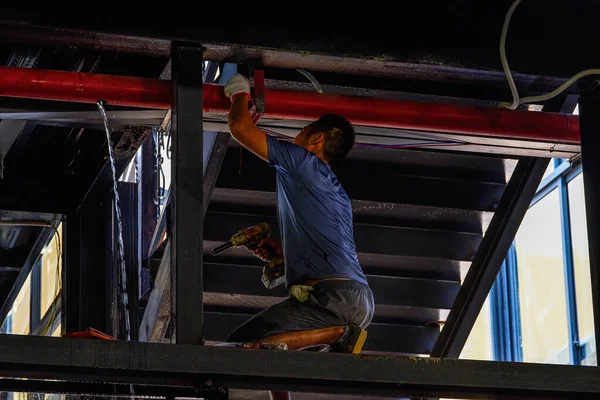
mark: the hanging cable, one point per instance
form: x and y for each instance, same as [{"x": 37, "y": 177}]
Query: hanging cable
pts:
[
  {"x": 561, "y": 88},
  {"x": 312, "y": 79},
  {"x": 505, "y": 67},
  {"x": 122, "y": 275},
  {"x": 513, "y": 88}
]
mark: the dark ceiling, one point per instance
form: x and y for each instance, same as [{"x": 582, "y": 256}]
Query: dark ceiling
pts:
[{"x": 550, "y": 38}]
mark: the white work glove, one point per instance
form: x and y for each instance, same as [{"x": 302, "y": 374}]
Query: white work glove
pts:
[{"x": 237, "y": 84}]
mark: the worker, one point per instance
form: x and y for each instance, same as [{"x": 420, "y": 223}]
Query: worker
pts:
[{"x": 325, "y": 284}]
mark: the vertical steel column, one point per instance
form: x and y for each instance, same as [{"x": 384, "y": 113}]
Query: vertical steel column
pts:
[
  {"x": 187, "y": 186},
  {"x": 85, "y": 284},
  {"x": 589, "y": 117}
]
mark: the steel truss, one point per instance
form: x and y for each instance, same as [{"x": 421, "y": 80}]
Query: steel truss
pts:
[{"x": 190, "y": 366}]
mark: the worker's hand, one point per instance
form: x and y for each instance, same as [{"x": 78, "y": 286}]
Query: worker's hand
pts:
[
  {"x": 237, "y": 84},
  {"x": 266, "y": 249}
]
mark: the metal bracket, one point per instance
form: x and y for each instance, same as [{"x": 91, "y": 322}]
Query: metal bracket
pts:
[{"x": 258, "y": 108}]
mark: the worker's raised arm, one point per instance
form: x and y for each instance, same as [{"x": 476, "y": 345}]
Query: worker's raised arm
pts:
[{"x": 240, "y": 122}]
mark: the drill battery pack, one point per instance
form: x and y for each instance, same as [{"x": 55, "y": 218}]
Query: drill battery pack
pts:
[{"x": 273, "y": 273}]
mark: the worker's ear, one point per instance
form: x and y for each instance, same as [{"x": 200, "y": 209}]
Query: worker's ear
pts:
[{"x": 316, "y": 138}]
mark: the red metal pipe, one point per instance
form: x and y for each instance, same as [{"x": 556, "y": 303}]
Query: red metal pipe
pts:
[{"x": 155, "y": 93}]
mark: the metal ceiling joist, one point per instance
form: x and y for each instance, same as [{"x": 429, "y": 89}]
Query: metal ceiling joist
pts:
[{"x": 321, "y": 50}]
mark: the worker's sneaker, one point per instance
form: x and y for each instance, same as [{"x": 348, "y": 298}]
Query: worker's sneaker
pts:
[{"x": 351, "y": 341}]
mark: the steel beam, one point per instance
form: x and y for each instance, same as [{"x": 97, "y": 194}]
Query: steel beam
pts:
[
  {"x": 489, "y": 257},
  {"x": 329, "y": 52},
  {"x": 187, "y": 187},
  {"x": 589, "y": 107},
  {"x": 36, "y": 389},
  {"x": 165, "y": 365}
]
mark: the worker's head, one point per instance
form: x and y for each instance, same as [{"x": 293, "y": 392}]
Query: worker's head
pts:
[{"x": 330, "y": 137}]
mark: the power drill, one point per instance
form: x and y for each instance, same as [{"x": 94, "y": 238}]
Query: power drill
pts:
[{"x": 274, "y": 271}]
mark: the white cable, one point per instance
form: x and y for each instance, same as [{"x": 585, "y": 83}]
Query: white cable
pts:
[
  {"x": 312, "y": 79},
  {"x": 561, "y": 88},
  {"x": 511, "y": 82}
]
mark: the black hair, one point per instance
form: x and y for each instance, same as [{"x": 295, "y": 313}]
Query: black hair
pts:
[{"x": 339, "y": 136}]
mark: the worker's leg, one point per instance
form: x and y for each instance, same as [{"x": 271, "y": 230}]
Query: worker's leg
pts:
[
  {"x": 329, "y": 303},
  {"x": 288, "y": 315}
]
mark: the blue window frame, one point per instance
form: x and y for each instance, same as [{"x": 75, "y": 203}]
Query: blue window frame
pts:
[
  {"x": 504, "y": 296},
  {"x": 505, "y": 310}
]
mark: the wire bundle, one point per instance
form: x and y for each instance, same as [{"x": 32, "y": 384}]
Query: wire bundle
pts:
[{"x": 513, "y": 88}]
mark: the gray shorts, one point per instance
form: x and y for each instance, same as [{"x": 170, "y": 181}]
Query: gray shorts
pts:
[{"x": 329, "y": 303}]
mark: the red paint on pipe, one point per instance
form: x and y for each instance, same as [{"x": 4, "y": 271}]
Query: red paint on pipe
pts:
[
  {"x": 84, "y": 88},
  {"x": 306, "y": 106}
]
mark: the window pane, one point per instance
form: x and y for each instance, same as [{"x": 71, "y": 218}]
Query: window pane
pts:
[
  {"x": 17, "y": 320},
  {"x": 479, "y": 343},
  {"x": 542, "y": 284},
  {"x": 581, "y": 261},
  {"x": 51, "y": 270}
]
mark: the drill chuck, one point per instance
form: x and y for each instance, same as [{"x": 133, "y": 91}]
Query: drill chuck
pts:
[{"x": 221, "y": 248}]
